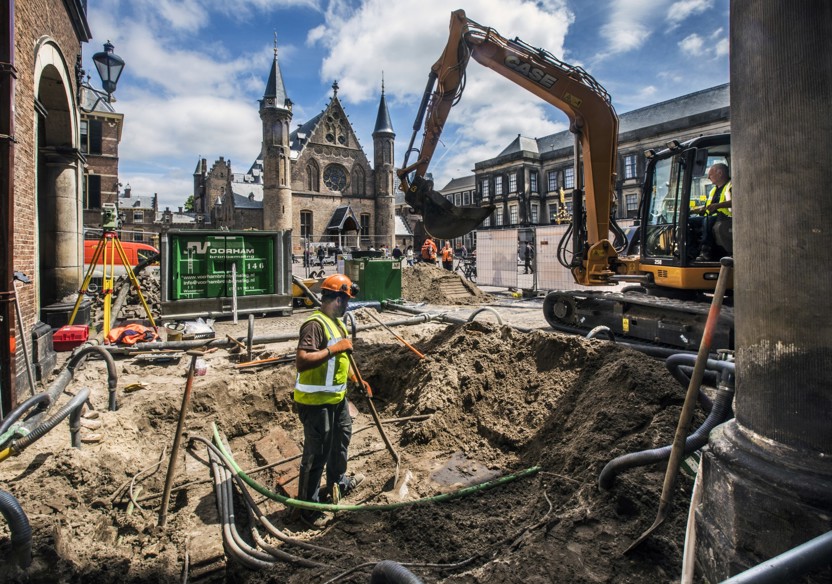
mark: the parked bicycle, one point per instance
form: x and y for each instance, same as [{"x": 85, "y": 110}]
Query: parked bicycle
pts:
[{"x": 467, "y": 267}]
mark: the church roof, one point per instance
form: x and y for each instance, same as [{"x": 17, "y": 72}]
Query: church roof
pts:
[
  {"x": 298, "y": 138},
  {"x": 343, "y": 219},
  {"x": 383, "y": 123},
  {"x": 402, "y": 228},
  {"x": 248, "y": 202}
]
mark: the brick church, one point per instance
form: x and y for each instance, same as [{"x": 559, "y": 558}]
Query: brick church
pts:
[{"x": 315, "y": 180}]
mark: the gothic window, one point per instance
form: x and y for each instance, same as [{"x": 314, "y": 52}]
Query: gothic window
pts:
[
  {"x": 358, "y": 186},
  {"x": 365, "y": 223},
  {"x": 312, "y": 183},
  {"x": 306, "y": 224},
  {"x": 335, "y": 177},
  {"x": 336, "y": 132}
]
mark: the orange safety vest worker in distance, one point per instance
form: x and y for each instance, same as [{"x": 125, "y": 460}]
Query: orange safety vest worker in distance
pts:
[{"x": 429, "y": 250}]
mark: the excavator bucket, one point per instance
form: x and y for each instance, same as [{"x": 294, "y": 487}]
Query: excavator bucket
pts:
[{"x": 441, "y": 218}]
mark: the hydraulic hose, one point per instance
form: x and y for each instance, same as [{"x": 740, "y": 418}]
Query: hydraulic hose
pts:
[
  {"x": 21, "y": 444},
  {"x": 230, "y": 462},
  {"x": 390, "y": 572},
  {"x": 21, "y": 409},
  {"x": 720, "y": 413},
  {"x": 681, "y": 367},
  {"x": 21, "y": 531}
]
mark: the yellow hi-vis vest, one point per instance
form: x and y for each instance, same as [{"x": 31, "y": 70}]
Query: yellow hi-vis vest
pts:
[
  {"x": 326, "y": 383},
  {"x": 724, "y": 195}
]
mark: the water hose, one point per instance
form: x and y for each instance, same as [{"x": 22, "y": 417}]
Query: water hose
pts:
[
  {"x": 681, "y": 367},
  {"x": 21, "y": 552},
  {"x": 720, "y": 412},
  {"x": 21, "y": 409},
  {"x": 21, "y": 444},
  {"x": 390, "y": 572},
  {"x": 382, "y": 507}
]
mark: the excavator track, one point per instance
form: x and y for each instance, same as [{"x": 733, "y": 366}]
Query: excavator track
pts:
[{"x": 639, "y": 317}]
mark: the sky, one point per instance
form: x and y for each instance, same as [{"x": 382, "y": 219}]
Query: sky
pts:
[{"x": 195, "y": 70}]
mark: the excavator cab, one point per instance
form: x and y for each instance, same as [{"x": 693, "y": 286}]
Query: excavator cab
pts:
[{"x": 441, "y": 218}]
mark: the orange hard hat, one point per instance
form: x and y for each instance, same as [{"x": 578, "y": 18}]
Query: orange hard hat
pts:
[{"x": 340, "y": 283}]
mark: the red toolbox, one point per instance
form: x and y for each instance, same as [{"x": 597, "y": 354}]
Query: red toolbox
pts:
[{"x": 70, "y": 336}]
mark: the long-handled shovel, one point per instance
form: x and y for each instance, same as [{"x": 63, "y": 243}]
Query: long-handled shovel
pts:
[
  {"x": 376, "y": 419},
  {"x": 678, "y": 448},
  {"x": 399, "y": 338}
]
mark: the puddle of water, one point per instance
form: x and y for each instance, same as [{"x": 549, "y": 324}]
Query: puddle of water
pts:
[{"x": 460, "y": 471}]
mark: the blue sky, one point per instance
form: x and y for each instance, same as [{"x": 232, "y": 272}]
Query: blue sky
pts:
[{"x": 196, "y": 68}]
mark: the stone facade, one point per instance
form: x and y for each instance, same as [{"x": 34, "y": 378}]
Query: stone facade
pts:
[
  {"x": 302, "y": 177},
  {"x": 45, "y": 235}
]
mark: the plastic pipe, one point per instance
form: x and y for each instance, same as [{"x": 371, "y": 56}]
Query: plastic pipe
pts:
[
  {"x": 21, "y": 409},
  {"x": 21, "y": 552},
  {"x": 390, "y": 572},
  {"x": 720, "y": 412},
  {"x": 789, "y": 566}
]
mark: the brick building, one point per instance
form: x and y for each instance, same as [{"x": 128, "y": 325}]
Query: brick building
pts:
[
  {"x": 42, "y": 172},
  {"x": 315, "y": 180}
]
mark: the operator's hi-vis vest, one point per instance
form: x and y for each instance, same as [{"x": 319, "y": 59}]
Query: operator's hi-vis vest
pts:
[
  {"x": 326, "y": 383},
  {"x": 724, "y": 195}
]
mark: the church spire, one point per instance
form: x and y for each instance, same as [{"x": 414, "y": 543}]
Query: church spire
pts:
[
  {"x": 275, "y": 94},
  {"x": 383, "y": 123}
]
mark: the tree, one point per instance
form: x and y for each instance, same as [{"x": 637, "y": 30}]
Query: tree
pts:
[{"x": 189, "y": 203}]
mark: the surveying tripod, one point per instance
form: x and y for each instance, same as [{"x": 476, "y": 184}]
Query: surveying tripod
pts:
[{"x": 108, "y": 246}]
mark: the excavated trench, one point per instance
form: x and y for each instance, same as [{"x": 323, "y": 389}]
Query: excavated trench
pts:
[{"x": 487, "y": 402}]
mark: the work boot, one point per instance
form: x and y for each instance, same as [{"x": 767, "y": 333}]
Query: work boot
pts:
[
  {"x": 314, "y": 519},
  {"x": 350, "y": 483}
]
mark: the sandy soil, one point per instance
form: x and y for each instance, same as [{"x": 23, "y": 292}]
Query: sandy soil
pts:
[{"x": 497, "y": 401}]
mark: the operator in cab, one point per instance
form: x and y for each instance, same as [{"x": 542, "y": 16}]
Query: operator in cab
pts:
[{"x": 717, "y": 231}]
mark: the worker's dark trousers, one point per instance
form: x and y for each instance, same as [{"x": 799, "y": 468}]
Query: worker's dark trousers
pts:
[{"x": 327, "y": 430}]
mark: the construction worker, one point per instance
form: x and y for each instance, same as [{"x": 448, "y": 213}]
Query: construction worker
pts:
[
  {"x": 429, "y": 251},
  {"x": 717, "y": 213},
  {"x": 320, "y": 398},
  {"x": 448, "y": 257}
]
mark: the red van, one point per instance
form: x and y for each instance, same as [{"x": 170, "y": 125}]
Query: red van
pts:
[{"x": 135, "y": 251}]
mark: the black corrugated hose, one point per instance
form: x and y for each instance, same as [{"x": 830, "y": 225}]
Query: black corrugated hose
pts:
[
  {"x": 390, "y": 572},
  {"x": 21, "y": 553},
  {"x": 76, "y": 402}
]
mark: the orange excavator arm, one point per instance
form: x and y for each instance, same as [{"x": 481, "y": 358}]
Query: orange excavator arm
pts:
[{"x": 570, "y": 89}]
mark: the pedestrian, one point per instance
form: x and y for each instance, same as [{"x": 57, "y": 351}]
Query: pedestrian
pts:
[
  {"x": 306, "y": 256},
  {"x": 429, "y": 251},
  {"x": 463, "y": 251},
  {"x": 321, "y": 255},
  {"x": 448, "y": 257},
  {"x": 397, "y": 252},
  {"x": 408, "y": 254},
  {"x": 528, "y": 256},
  {"x": 320, "y": 398}
]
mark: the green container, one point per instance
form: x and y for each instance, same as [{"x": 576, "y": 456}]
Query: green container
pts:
[{"x": 378, "y": 279}]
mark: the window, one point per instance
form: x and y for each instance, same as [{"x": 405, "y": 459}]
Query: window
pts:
[
  {"x": 365, "y": 223},
  {"x": 312, "y": 183},
  {"x": 486, "y": 189},
  {"x": 498, "y": 216},
  {"x": 498, "y": 185},
  {"x": 512, "y": 212},
  {"x": 533, "y": 182},
  {"x": 358, "y": 186},
  {"x": 569, "y": 178},
  {"x": 138, "y": 235},
  {"x": 487, "y": 222},
  {"x": 512, "y": 182},
  {"x": 553, "y": 213},
  {"x": 457, "y": 199},
  {"x": 630, "y": 166},
  {"x": 552, "y": 181},
  {"x": 306, "y": 224},
  {"x": 466, "y": 198},
  {"x": 138, "y": 216},
  {"x": 91, "y": 137},
  {"x": 335, "y": 178},
  {"x": 534, "y": 214},
  {"x": 92, "y": 191}
]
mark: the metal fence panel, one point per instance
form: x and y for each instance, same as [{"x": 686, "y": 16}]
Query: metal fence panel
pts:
[{"x": 497, "y": 258}]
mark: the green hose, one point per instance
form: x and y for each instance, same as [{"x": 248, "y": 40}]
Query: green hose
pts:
[{"x": 387, "y": 507}]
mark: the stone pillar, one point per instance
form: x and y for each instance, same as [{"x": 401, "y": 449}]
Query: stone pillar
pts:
[
  {"x": 60, "y": 231},
  {"x": 767, "y": 478}
]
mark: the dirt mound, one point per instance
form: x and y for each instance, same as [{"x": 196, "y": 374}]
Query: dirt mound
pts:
[
  {"x": 429, "y": 283},
  {"x": 498, "y": 401}
]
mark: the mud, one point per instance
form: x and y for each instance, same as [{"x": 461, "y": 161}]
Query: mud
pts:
[
  {"x": 498, "y": 401},
  {"x": 424, "y": 283}
]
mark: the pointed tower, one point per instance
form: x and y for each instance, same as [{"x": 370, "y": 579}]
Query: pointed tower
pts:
[
  {"x": 385, "y": 175},
  {"x": 276, "y": 114}
]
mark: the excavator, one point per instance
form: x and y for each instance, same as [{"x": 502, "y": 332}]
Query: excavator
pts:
[{"x": 667, "y": 302}]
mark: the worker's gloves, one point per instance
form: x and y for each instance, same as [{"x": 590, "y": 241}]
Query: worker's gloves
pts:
[{"x": 341, "y": 346}]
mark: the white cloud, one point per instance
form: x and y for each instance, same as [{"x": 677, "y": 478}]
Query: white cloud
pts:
[
  {"x": 492, "y": 109},
  {"x": 629, "y": 25},
  {"x": 693, "y": 45},
  {"x": 721, "y": 47},
  {"x": 684, "y": 9}
]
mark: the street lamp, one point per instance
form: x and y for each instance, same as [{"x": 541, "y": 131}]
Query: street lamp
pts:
[{"x": 109, "y": 67}]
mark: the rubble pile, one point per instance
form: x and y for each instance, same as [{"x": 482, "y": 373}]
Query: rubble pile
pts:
[{"x": 429, "y": 283}]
